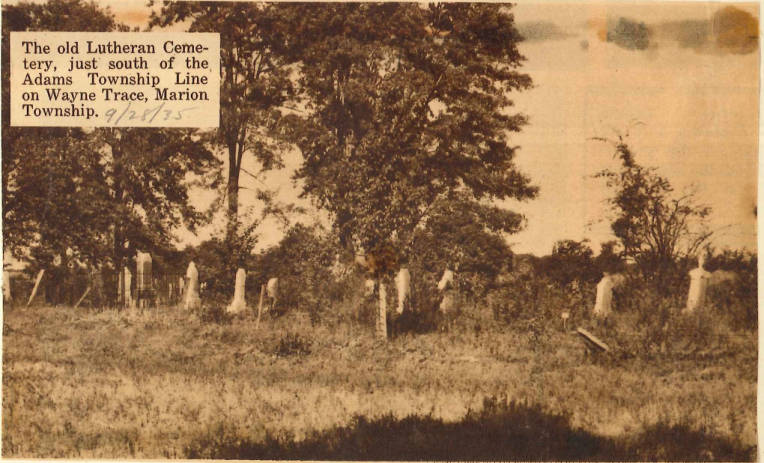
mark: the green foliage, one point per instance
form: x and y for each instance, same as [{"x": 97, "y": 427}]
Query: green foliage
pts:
[
  {"x": 656, "y": 227},
  {"x": 292, "y": 344},
  {"x": 401, "y": 115},
  {"x": 303, "y": 262},
  {"x": 609, "y": 260},
  {"x": 465, "y": 236},
  {"x": 530, "y": 298},
  {"x": 214, "y": 313},
  {"x": 47, "y": 165},
  {"x": 570, "y": 261},
  {"x": 738, "y": 298},
  {"x": 255, "y": 80},
  {"x": 105, "y": 193},
  {"x": 218, "y": 260}
]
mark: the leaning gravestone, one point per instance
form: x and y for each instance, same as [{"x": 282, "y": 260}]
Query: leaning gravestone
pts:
[
  {"x": 603, "y": 304},
  {"x": 239, "y": 303},
  {"x": 699, "y": 278},
  {"x": 192, "y": 300}
]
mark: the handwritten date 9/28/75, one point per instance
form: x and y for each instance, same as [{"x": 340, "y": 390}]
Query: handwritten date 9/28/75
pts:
[{"x": 158, "y": 114}]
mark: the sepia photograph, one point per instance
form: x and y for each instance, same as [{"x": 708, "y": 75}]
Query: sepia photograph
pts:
[{"x": 380, "y": 231}]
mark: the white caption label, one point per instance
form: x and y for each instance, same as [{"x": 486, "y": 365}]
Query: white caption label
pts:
[{"x": 115, "y": 79}]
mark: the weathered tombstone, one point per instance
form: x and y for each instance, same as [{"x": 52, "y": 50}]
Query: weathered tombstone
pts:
[
  {"x": 593, "y": 343},
  {"x": 447, "y": 280},
  {"x": 7, "y": 286},
  {"x": 144, "y": 287},
  {"x": 192, "y": 299},
  {"x": 603, "y": 303},
  {"x": 699, "y": 278},
  {"x": 403, "y": 285},
  {"x": 380, "y": 327},
  {"x": 128, "y": 288},
  {"x": 368, "y": 287},
  {"x": 446, "y": 285},
  {"x": 272, "y": 291},
  {"x": 239, "y": 303}
]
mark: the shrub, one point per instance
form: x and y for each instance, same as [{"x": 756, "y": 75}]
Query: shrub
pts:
[
  {"x": 292, "y": 344},
  {"x": 528, "y": 298},
  {"x": 214, "y": 313}
]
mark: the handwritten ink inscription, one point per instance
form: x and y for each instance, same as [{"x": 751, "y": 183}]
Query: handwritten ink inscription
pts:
[{"x": 115, "y": 79}]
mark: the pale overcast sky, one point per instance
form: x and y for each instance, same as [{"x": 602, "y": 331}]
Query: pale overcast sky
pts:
[{"x": 693, "y": 83}]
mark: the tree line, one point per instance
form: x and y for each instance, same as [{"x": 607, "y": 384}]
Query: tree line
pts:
[{"x": 402, "y": 114}]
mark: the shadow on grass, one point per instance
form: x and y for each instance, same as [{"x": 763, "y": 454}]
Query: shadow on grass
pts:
[{"x": 501, "y": 431}]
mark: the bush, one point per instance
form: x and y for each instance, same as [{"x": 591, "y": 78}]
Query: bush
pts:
[
  {"x": 215, "y": 313},
  {"x": 291, "y": 345},
  {"x": 528, "y": 298},
  {"x": 303, "y": 263}
]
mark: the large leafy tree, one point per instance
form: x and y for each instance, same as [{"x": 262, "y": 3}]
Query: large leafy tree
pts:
[
  {"x": 104, "y": 192},
  {"x": 40, "y": 164},
  {"x": 570, "y": 260},
  {"x": 656, "y": 227},
  {"x": 467, "y": 237},
  {"x": 145, "y": 184},
  {"x": 408, "y": 105},
  {"x": 255, "y": 81}
]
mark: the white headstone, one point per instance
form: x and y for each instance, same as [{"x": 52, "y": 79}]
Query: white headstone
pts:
[
  {"x": 446, "y": 286},
  {"x": 272, "y": 291},
  {"x": 192, "y": 300},
  {"x": 7, "y": 286},
  {"x": 447, "y": 303},
  {"x": 603, "y": 304},
  {"x": 128, "y": 286},
  {"x": 143, "y": 274},
  {"x": 239, "y": 303},
  {"x": 403, "y": 285},
  {"x": 446, "y": 281},
  {"x": 699, "y": 278}
]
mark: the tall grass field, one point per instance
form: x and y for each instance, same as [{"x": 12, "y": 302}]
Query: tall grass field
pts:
[{"x": 165, "y": 383}]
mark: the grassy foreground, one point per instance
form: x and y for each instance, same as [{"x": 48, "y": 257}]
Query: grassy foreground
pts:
[{"x": 164, "y": 383}]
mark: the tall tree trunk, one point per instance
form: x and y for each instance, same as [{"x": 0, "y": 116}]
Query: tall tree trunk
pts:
[
  {"x": 381, "y": 323},
  {"x": 118, "y": 234},
  {"x": 232, "y": 214}
]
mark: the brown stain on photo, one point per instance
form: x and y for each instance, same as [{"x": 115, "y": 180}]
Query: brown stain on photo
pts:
[{"x": 736, "y": 31}]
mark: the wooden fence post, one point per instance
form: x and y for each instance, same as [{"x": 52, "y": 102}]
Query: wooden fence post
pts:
[
  {"x": 36, "y": 285},
  {"x": 260, "y": 306}
]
